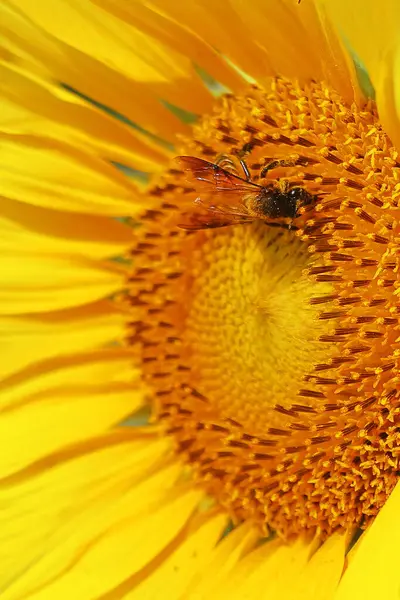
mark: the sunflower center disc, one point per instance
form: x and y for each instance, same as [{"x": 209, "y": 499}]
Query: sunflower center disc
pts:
[
  {"x": 250, "y": 326},
  {"x": 271, "y": 353}
]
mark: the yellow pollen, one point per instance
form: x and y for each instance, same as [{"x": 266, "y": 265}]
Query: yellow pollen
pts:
[
  {"x": 243, "y": 298},
  {"x": 272, "y": 353}
]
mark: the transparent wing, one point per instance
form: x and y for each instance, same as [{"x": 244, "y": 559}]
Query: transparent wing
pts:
[
  {"x": 209, "y": 220},
  {"x": 218, "y": 190}
]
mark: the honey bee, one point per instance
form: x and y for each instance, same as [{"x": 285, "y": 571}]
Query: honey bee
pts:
[{"x": 228, "y": 199}]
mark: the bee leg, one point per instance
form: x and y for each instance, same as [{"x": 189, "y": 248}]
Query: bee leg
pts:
[
  {"x": 246, "y": 149},
  {"x": 225, "y": 162},
  {"x": 241, "y": 154},
  {"x": 245, "y": 169},
  {"x": 276, "y": 163}
]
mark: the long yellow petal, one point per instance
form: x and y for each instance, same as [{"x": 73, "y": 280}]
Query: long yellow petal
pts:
[
  {"x": 220, "y": 26},
  {"x": 336, "y": 65},
  {"x": 266, "y": 573},
  {"x": 362, "y": 21},
  {"x": 107, "y": 366},
  {"x": 114, "y": 43},
  {"x": 300, "y": 44},
  {"x": 30, "y": 339},
  {"x": 268, "y": 37},
  {"x": 41, "y": 415},
  {"x": 105, "y": 516},
  {"x": 97, "y": 34},
  {"x": 126, "y": 547},
  {"x": 177, "y": 36},
  {"x": 276, "y": 570},
  {"x": 293, "y": 39},
  {"x": 23, "y": 227},
  {"x": 59, "y": 507},
  {"x": 222, "y": 562},
  {"x": 321, "y": 575},
  {"x": 387, "y": 94},
  {"x": 38, "y": 283},
  {"x": 33, "y": 106},
  {"x": 372, "y": 32},
  {"x": 174, "y": 572},
  {"x": 374, "y": 569},
  {"x": 53, "y": 174},
  {"x": 37, "y": 52}
]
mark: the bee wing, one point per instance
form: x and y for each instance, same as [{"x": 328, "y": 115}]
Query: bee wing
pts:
[
  {"x": 209, "y": 220},
  {"x": 204, "y": 174},
  {"x": 218, "y": 189}
]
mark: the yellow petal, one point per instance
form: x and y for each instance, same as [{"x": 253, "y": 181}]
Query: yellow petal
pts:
[
  {"x": 177, "y": 37},
  {"x": 144, "y": 60},
  {"x": 364, "y": 21},
  {"x": 174, "y": 571},
  {"x": 23, "y": 227},
  {"x": 31, "y": 339},
  {"x": 57, "y": 507},
  {"x": 220, "y": 26},
  {"x": 373, "y": 34},
  {"x": 282, "y": 571},
  {"x": 321, "y": 575},
  {"x": 374, "y": 569},
  {"x": 336, "y": 65},
  {"x": 222, "y": 562},
  {"x": 49, "y": 59},
  {"x": 80, "y": 402},
  {"x": 300, "y": 44},
  {"x": 103, "y": 517},
  {"x": 107, "y": 366},
  {"x": 39, "y": 283},
  {"x": 32, "y": 106},
  {"x": 266, "y": 573},
  {"x": 269, "y": 37},
  {"x": 288, "y": 42},
  {"x": 387, "y": 93},
  {"x": 52, "y": 174},
  {"x": 23, "y": 44}
]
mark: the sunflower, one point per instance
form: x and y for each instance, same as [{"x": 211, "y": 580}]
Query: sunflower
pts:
[{"x": 199, "y": 412}]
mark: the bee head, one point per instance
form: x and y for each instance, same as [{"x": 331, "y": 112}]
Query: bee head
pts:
[{"x": 299, "y": 197}]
